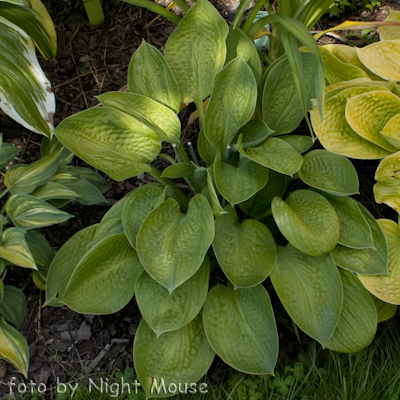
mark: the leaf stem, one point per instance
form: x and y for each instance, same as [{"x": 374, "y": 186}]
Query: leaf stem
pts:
[
  {"x": 182, "y": 5},
  {"x": 200, "y": 109},
  {"x": 156, "y": 8},
  {"x": 252, "y": 15},
  {"x": 94, "y": 11},
  {"x": 4, "y": 193},
  {"x": 182, "y": 153}
]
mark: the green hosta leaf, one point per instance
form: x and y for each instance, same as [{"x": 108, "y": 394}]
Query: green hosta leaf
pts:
[
  {"x": 336, "y": 135},
  {"x": 239, "y": 183},
  {"x": 241, "y": 328},
  {"x": 318, "y": 298},
  {"x": 177, "y": 171},
  {"x": 245, "y": 251},
  {"x": 371, "y": 261},
  {"x": 259, "y": 205},
  {"x": 172, "y": 245},
  {"x": 54, "y": 191},
  {"x": 386, "y": 287},
  {"x": 369, "y": 112},
  {"x": 206, "y": 150},
  {"x": 86, "y": 173},
  {"x": 358, "y": 320},
  {"x": 40, "y": 248},
  {"x": 231, "y": 105},
  {"x": 13, "y": 306},
  {"x": 150, "y": 75},
  {"x": 166, "y": 312},
  {"x": 159, "y": 118},
  {"x": 24, "y": 179},
  {"x": 173, "y": 360},
  {"x": 196, "y": 51},
  {"x": 385, "y": 310},
  {"x": 7, "y": 154},
  {"x": 274, "y": 153},
  {"x": 212, "y": 197},
  {"x": 28, "y": 212},
  {"x": 391, "y": 131},
  {"x": 25, "y": 91},
  {"x": 330, "y": 173},
  {"x": 109, "y": 270},
  {"x": 53, "y": 146},
  {"x": 254, "y": 132},
  {"x": 308, "y": 222},
  {"x": 300, "y": 143},
  {"x": 110, "y": 140},
  {"x": 65, "y": 262},
  {"x": 387, "y": 191},
  {"x": 281, "y": 107},
  {"x": 382, "y": 59},
  {"x": 13, "y": 347},
  {"x": 142, "y": 201},
  {"x": 355, "y": 231},
  {"x": 2, "y": 284},
  {"x": 238, "y": 43},
  {"x": 14, "y": 249}
]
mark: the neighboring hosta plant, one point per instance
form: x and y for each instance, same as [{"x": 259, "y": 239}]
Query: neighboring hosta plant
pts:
[{"x": 162, "y": 244}]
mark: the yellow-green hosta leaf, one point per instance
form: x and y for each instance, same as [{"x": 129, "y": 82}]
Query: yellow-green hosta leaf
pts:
[
  {"x": 238, "y": 43},
  {"x": 331, "y": 173},
  {"x": 387, "y": 191},
  {"x": 358, "y": 320},
  {"x": 387, "y": 32},
  {"x": 13, "y": 306},
  {"x": 110, "y": 140},
  {"x": 206, "y": 150},
  {"x": 28, "y": 212},
  {"x": 300, "y": 143},
  {"x": 240, "y": 326},
  {"x": 40, "y": 248},
  {"x": 254, "y": 132},
  {"x": 172, "y": 245},
  {"x": 65, "y": 262},
  {"x": 237, "y": 184},
  {"x": 308, "y": 222},
  {"x": 365, "y": 86},
  {"x": 391, "y": 131},
  {"x": 138, "y": 206},
  {"x": 275, "y": 154},
  {"x": 231, "y": 105},
  {"x": 259, "y": 205},
  {"x": 245, "y": 251},
  {"x": 159, "y": 118},
  {"x": 385, "y": 310},
  {"x": 104, "y": 280},
  {"x": 311, "y": 291},
  {"x": 382, "y": 58},
  {"x": 368, "y": 113},
  {"x": 281, "y": 108},
  {"x": 13, "y": 347},
  {"x": 172, "y": 362},
  {"x": 53, "y": 190},
  {"x": 7, "y": 154},
  {"x": 336, "y": 135},
  {"x": 334, "y": 89},
  {"x": 196, "y": 51},
  {"x": 371, "y": 261},
  {"x": 180, "y": 170},
  {"x": 13, "y": 248},
  {"x": 166, "y": 312},
  {"x": 24, "y": 179},
  {"x": 150, "y": 75}
]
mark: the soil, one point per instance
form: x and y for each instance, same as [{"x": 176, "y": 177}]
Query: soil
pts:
[{"x": 91, "y": 61}]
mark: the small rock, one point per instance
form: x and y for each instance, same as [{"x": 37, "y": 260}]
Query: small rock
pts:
[
  {"x": 3, "y": 371},
  {"x": 32, "y": 350},
  {"x": 112, "y": 330},
  {"x": 83, "y": 333},
  {"x": 132, "y": 330}
]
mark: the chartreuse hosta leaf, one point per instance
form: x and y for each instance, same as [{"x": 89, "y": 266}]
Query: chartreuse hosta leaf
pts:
[
  {"x": 232, "y": 103},
  {"x": 150, "y": 75},
  {"x": 382, "y": 59},
  {"x": 138, "y": 206},
  {"x": 166, "y": 312},
  {"x": 275, "y": 154},
  {"x": 13, "y": 306},
  {"x": 281, "y": 108},
  {"x": 245, "y": 251},
  {"x": 387, "y": 191},
  {"x": 24, "y": 179},
  {"x": 308, "y": 222},
  {"x": 174, "y": 361},
  {"x": 254, "y": 132},
  {"x": 237, "y": 184},
  {"x": 13, "y": 347},
  {"x": 110, "y": 140},
  {"x": 331, "y": 173},
  {"x": 104, "y": 280},
  {"x": 371, "y": 261},
  {"x": 172, "y": 245},
  {"x": 318, "y": 290},
  {"x": 358, "y": 320},
  {"x": 259, "y": 205},
  {"x": 368, "y": 113},
  {"x": 365, "y": 84},
  {"x": 385, "y": 310},
  {"x": 28, "y": 212},
  {"x": 386, "y": 286},
  {"x": 300, "y": 143},
  {"x": 391, "y": 131},
  {"x": 390, "y": 32},
  {"x": 25, "y": 91},
  {"x": 54, "y": 191},
  {"x": 13, "y": 248},
  {"x": 65, "y": 262},
  {"x": 240, "y": 326},
  {"x": 196, "y": 51},
  {"x": 336, "y": 135},
  {"x": 159, "y": 118}
]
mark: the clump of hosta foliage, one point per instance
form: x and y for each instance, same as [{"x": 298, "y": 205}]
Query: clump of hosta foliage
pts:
[{"x": 161, "y": 244}]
